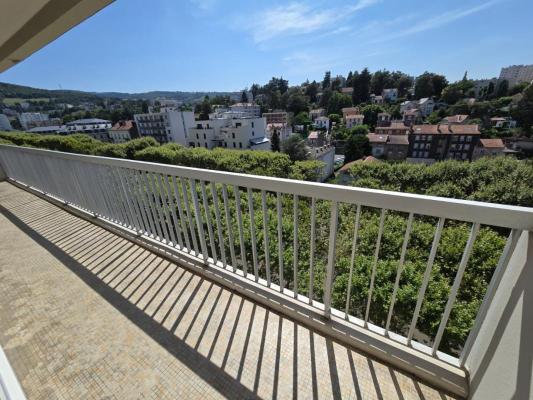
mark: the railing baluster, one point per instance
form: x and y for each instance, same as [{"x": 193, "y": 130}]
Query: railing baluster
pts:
[
  {"x": 135, "y": 200},
  {"x": 295, "y": 246},
  {"x": 280, "y": 242},
  {"x": 312, "y": 251},
  {"x": 229, "y": 227},
  {"x": 172, "y": 206},
  {"x": 183, "y": 219},
  {"x": 425, "y": 279},
  {"x": 399, "y": 270},
  {"x": 265, "y": 236},
  {"x": 375, "y": 265},
  {"x": 150, "y": 197},
  {"x": 160, "y": 205},
  {"x": 252, "y": 232},
  {"x": 199, "y": 222},
  {"x": 330, "y": 270},
  {"x": 125, "y": 220},
  {"x": 141, "y": 186},
  {"x": 508, "y": 250},
  {"x": 133, "y": 213},
  {"x": 209, "y": 223},
  {"x": 455, "y": 287},
  {"x": 214, "y": 193},
  {"x": 241, "y": 229},
  {"x": 352, "y": 261},
  {"x": 164, "y": 205},
  {"x": 189, "y": 215}
]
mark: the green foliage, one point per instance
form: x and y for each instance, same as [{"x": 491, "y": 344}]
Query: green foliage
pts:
[
  {"x": 308, "y": 170},
  {"x": 497, "y": 180},
  {"x": 523, "y": 112},
  {"x": 429, "y": 84},
  {"x": 274, "y": 141},
  {"x": 356, "y": 147},
  {"x": 295, "y": 148},
  {"x": 337, "y": 102}
]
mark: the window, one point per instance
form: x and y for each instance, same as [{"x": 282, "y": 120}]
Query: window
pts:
[
  {"x": 462, "y": 138},
  {"x": 415, "y": 154},
  {"x": 206, "y": 145},
  {"x": 464, "y": 156},
  {"x": 234, "y": 145},
  {"x": 233, "y": 135},
  {"x": 197, "y": 136},
  {"x": 426, "y": 154},
  {"x": 252, "y": 124},
  {"x": 417, "y": 137},
  {"x": 469, "y": 138},
  {"x": 204, "y": 136},
  {"x": 240, "y": 145},
  {"x": 253, "y": 133},
  {"x": 416, "y": 146}
]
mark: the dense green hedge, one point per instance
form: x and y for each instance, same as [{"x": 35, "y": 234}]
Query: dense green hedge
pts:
[
  {"x": 147, "y": 149},
  {"x": 503, "y": 180}
]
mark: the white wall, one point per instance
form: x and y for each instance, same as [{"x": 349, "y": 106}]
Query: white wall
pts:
[{"x": 500, "y": 363}]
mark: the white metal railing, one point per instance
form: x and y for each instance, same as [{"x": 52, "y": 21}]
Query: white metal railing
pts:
[{"x": 223, "y": 219}]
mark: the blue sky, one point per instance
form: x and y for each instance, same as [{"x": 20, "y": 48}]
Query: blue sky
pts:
[{"x": 141, "y": 45}]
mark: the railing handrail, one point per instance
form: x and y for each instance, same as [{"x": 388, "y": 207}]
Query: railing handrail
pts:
[{"x": 500, "y": 215}]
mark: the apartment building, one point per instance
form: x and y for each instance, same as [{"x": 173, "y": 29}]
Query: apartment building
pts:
[
  {"x": 322, "y": 123},
  {"x": 170, "y": 125},
  {"x": 230, "y": 133},
  {"x": 246, "y": 110},
  {"x": 30, "y": 120},
  {"x": 395, "y": 128},
  {"x": 384, "y": 119},
  {"x": 430, "y": 143},
  {"x": 352, "y": 120},
  {"x": 284, "y": 131},
  {"x": 390, "y": 147},
  {"x": 516, "y": 74},
  {"x": 488, "y": 147},
  {"x": 95, "y": 127},
  {"x": 426, "y": 106},
  {"x": 276, "y": 117},
  {"x": 123, "y": 131},
  {"x": 412, "y": 117}
]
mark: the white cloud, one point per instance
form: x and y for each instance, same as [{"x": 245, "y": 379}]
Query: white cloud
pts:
[
  {"x": 436, "y": 22},
  {"x": 298, "y": 18},
  {"x": 204, "y": 5}
]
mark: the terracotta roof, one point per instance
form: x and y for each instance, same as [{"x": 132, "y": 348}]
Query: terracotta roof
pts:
[
  {"x": 414, "y": 111},
  {"x": 350, "y": 110},
  {"x": 498, "y": 119},
  {"x": 313, "y": 135},
  {"x": 122, "y": 126},
  {"x": 373, "y": 138},
  {"x": 393, "y": 126},
  {"x": 443, "y": 129},
  {"x": 456, "y": 119},
  {"x": 368, "y": 159},
  {"x": 398, "y": 139},
  {"x": 358, "y": 116},
  {"x": 492, "y": 143}
]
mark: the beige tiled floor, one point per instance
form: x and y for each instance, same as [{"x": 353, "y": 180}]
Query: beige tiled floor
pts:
[{"x": 85, "y": 314}]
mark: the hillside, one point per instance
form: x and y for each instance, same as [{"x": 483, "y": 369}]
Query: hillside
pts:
[{"x": 11, "y": 91}]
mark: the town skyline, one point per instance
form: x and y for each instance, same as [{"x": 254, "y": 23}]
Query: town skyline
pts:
[{"x": 204, "y": 46}]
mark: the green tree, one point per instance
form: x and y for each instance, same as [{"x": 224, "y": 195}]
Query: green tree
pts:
[
  {"x": 205, "y": 108},
  {"x": 523, "y": 112},
  {"x": 301, "y": 118},
  {"x": 380, "y": 80},
  {"x": 295, "y": 148},
  {"x": 311, "y": 91},
  {"x": 274, "y": 141},
  {"x": 326, "y": 82},
  {"x": 503, "y": 88},
  {"x": 297, "y": 102},
  {"x": 356, "y": 147},
  {"x": 429, "y": 84},
  {"x": 337, "y": 102},
  {"x": 244, "y": 97},
  {"x": 371, "y": 112},
  {"x": 361, "y": 86}
]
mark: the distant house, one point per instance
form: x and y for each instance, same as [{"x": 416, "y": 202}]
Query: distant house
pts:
[
  {"x": 322, "y": 123},
  {"x": 276, "y": 117},
  {"x": 458, "y": 119},
  {"x": 408, "y": 105},
  {"x": 390, "y": 95},
  {"x": 350, "y": 110},
  {"x": 283, "y": 130},
  {"x": 347, "y": 90},
  {"x": 377, "y": 142},
  {"x": 123, "y": 131},
  {"x": 316, "y": 113},
  {"x": 95, "y": 127},
  {"x": 49, "y": 130},
  {"x": 503, "y": 123},
  {"x": 383, "y": 119},
  {"x": 395, "y": 128},
  {"x": 352, "y": 120},
  {"x": 412, "y": 117},
  {"x": 521, "y": 144},
  {"x": 426, "y": 106},
  {"x": 376, "y": 99},
  {"x": 250, "y": 110},
  {"x": 488, "y": 147},
  {"x": 391, "y": 147}
]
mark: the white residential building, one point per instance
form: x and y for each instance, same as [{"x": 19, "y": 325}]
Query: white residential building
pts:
[
  {"x": 325, "y": 154},
  {"x": 408, "y": 105},
  {"x": 516, "y": 74},
  {"x": 168, "y": 125},
  {"x": 95, "y": 127},
  {"x": 352, "y": 120},
  {"x": 322, "y": 123},
  {"x": 5, "y": 125},
  {"x": 30, "y": 120},
  {"x": 390, "y": 95},
  {"x": 230, "y": 133},
  {"x": 50, "y": 130},
  {"x": 246, "y": 110},
  {"x": 122, "y": 131},
  {"x": 316, "y": 113}
]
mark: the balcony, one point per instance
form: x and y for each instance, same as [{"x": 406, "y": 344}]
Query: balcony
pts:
[{"x": 131, "y": 279}]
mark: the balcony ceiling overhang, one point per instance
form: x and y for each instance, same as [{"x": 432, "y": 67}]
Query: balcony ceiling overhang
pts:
[{"x": 28, "y": 25}]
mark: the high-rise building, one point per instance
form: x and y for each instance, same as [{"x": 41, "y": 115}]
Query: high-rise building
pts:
[
  {"x": 516, "y": 74},
  {"x": 168, "y": 125}
]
